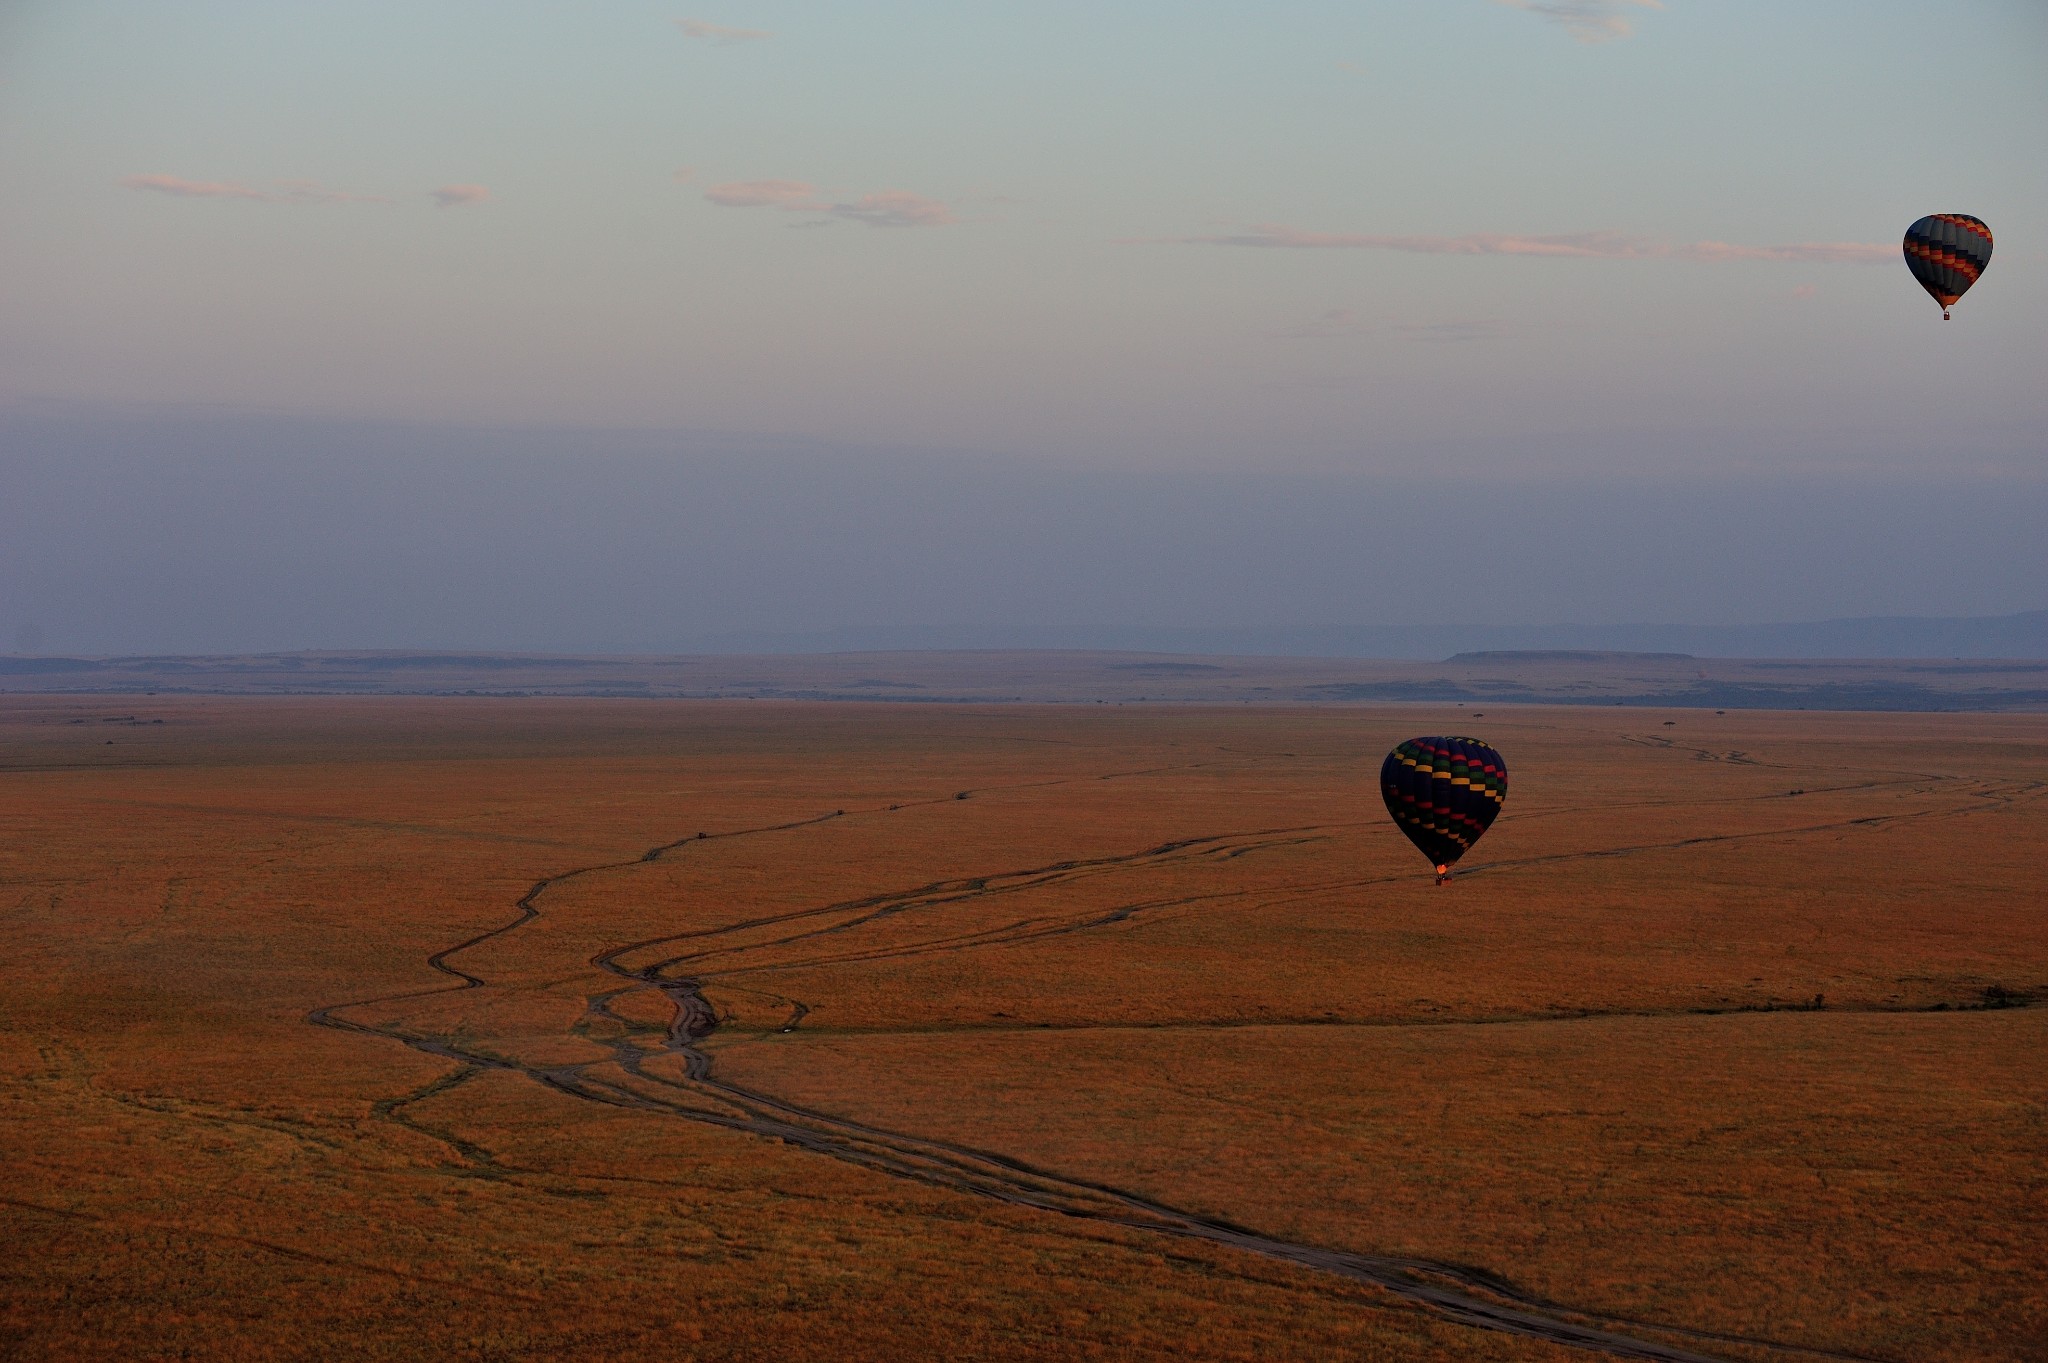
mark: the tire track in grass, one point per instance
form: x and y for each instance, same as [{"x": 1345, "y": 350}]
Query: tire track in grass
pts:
[
  {"x": 406, "y": 1275},
  {"x": 1463, "y": 1295}
]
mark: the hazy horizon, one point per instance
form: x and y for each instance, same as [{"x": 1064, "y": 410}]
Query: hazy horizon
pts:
[{"x": 243, "y": 534}]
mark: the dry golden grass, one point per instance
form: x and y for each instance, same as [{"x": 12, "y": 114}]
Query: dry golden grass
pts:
[
  {"x": 1178, "y": 951},
  {"x": 1868, "y": 1184}
]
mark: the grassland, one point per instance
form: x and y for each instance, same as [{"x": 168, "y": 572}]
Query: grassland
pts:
[{"x": 806, "y": 1030}]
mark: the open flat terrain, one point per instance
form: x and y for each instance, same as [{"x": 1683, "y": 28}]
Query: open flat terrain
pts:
[{"x": 385, "y": 1028}]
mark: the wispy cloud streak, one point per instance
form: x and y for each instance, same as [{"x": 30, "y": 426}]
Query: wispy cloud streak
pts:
[
  {"x": 1574, "y": 245},
  {"x": 1589, "y": 21},
  {"x": 281, "y": 191},
  {"x": 193, "y": 189},
  {"x": 720, "y": 33},
  {"x": 894, "y": 208},
  {"x": 879, "y": 208},
  {"x": 454, "y": 196}
]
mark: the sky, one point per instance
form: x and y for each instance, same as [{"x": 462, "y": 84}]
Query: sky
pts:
[{"x": 1151, "y": 287}]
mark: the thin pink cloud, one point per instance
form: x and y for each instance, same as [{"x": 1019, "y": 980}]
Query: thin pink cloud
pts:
[
  {"x": 193, "y": 189},
  {"x": 1812, "y": 252},
  {"x": 454, "y": 196},
  {"x": 1573, "y": 245},
  {"x": 1589, "y": 21},
  {"x": 895, "y": 208},
  {"x": 282, "y": 191},
  {"x": 878, "y": 208}
]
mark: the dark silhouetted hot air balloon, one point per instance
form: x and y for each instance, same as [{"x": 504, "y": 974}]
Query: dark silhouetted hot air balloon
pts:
[
  {"x": 1946, "y": 252},
  {"x": 1444, "y": 793}
]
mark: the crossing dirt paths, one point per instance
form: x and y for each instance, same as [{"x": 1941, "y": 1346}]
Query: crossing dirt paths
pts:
[{"x": 763, "y": 1030}]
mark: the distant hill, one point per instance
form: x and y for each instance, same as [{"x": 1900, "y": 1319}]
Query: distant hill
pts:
[
  {"x": 1561, "y": 655},
  {"x": 1464, "y": 683},
  {"x": 2024, "y": 635},
  {"x": 1884, "y": 636}
]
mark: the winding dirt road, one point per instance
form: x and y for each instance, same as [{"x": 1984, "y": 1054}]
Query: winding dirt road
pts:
[{"x": 667, "y": 1070}]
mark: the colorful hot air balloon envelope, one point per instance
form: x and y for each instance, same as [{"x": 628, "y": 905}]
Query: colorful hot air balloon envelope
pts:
[
  {"x": 1444, "y": 793},
  {"x": 1947, "y": 252}
]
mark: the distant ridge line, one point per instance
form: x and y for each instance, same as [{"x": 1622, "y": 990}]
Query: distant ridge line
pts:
[
  {"x": 1666, "y": 680},
  {"x": 1563, "y": 655}
]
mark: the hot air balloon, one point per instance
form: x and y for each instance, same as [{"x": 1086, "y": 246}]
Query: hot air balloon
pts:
[
  {"x": 1946, "y": 252},
  {"x": 1444, "y": 793}
]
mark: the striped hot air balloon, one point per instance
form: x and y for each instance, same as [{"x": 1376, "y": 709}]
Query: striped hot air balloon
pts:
[
  {"x": 1444, "y": 793},
  {"x": 1946, "y": 252}
]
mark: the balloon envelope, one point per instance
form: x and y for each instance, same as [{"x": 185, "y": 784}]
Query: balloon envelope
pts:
[
  {"x": 1444, "y": 793},
  {"x": 1947, "y": 252}
]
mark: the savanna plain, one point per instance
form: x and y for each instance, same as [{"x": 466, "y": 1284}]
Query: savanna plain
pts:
[{"x": 593, "y": 1029}]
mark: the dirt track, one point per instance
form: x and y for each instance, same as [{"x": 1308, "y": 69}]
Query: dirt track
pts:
[{"x": 667, "y": 1071}]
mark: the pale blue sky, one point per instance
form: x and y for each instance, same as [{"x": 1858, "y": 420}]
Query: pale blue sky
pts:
[
  {"x": 1071, "y": 145},
  {"x": 1566, "y": 246}
]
